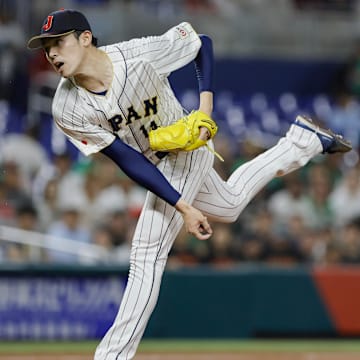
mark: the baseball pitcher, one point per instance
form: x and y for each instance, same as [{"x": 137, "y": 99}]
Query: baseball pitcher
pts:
[{"x": 116, "y": 99}]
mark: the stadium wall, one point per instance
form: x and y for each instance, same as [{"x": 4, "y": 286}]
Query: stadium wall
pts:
[
  {"x": 41, "y": 302},
  {"x": 247, "y": 76}
]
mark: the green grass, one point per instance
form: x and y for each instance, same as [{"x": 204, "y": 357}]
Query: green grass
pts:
[
  {"x": 60, "y": 347},
  {"x": 251, "y": 346},
  {"x": 184, "y": 346}
]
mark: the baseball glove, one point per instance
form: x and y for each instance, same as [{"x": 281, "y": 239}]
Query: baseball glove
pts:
[{"x": 183, "y": 134}]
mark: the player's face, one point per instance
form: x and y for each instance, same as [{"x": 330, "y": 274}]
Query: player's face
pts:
[{"x": 65, "y": 54}]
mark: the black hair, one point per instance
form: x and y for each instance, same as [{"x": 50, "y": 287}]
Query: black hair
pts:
[
  {"x": 94, "y": 40},
  {"x": 26, "y": 208}
]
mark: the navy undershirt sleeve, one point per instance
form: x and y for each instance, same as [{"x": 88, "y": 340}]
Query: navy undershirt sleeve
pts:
[
  {"x": 140, "y": 169},
  {"x": 204, "y": 64}
]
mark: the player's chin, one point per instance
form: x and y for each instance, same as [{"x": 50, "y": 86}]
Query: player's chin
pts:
[{"x": 62, "y": 71}]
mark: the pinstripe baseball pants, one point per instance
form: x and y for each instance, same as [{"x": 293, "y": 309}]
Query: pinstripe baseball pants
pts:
[{"x": 159, "y": 223}]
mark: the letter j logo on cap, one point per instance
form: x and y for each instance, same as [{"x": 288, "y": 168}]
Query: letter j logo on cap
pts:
[{"x": 48, "y": 24}]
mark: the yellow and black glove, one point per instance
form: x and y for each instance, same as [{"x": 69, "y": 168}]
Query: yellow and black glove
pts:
[{"x": 183, "y": 134}]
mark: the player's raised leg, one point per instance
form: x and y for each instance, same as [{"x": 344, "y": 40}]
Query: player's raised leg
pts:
[{"x": 224, "y": 200}]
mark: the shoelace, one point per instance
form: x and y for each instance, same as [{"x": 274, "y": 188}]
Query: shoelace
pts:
[{"x": 215, "y": 153}]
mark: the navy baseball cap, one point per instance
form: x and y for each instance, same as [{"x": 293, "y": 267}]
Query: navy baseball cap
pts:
[{"x": 59, "y": 23}]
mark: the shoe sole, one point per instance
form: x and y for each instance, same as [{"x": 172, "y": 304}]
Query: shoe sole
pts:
[{"x": 339, "y": 143}]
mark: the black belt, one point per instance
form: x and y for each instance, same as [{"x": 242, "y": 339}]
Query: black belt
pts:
[
  {"x": 161, "y": 154},
  {"x": 155, "y": 157}
]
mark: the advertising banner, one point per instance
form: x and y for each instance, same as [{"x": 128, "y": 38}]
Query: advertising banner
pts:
[{"x": 82, "y": 307}]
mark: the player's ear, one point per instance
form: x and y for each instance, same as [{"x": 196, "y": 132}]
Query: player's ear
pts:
[{"x": 86, "y": 38}]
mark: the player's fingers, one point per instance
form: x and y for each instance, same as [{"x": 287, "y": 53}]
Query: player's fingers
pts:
[
  {"x": 203, "y": 231},
  {"x": 204, "y": 133},
  {"x": 206, "y": 226},
  {"x": 201, "y": 236}
]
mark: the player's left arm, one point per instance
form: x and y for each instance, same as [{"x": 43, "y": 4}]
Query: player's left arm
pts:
[
  {"x": 194, "y": 130},
  {"x": 204, "y": 68}
]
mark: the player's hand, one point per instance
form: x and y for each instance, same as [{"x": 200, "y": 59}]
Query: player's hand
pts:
[
  {"x": 204, "y": 134},
  {"x": 195, "y": 222}
]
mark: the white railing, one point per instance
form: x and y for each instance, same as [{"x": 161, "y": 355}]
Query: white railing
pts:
[{"x": 85, "y": 253}]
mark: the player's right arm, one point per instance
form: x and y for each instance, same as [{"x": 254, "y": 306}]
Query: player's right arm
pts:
[
  {"x": 142, "y": 171},
  {"x": 91, "y": 139}
]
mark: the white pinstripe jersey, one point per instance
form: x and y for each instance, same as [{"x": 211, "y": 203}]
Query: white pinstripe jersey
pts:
[{"x": 140, "y": 97}]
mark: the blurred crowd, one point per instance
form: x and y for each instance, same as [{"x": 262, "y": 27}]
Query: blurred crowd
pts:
[
  {"x": 90, "y": 202},
  {"x": 311, "y": 216}
]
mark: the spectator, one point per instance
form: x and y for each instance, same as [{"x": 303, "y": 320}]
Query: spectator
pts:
[
  {"x": 12, "y": 192},
  {"x": 13, "y": 77},
  {"x": 257, "y": 237},
  {"x": 135, "y": 195},
  {"x": 115, "y": 192},
  {"x": 103, "y": 237},
  {"x": 92, "y": 188},
  {"x": 7, "y": 211},
  {"x": 26, "y": 219},
  {"x": 288, "y": 202},
  {"x": 26, "y": 152},
  {"x": 349, "y": 242},
  {"x": 70, "y": 182},
  {"x": 119, "y": 226},
  {"x": 47, "y": 205},
  {"x": 315, "y": 245},
  {"x": 188, "y": 251},
  {"x": 221, "y": 246},
  {"x": 344, "y": 117},
  {"x": 280, "y": 249},
  {"x": 297, "y": 233},
  {"x": 109, "y": 196},
  {"x": 319, "y": 214},
  {"x": 68, "y": 227},
  {"x": 345, "y": 197}
]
